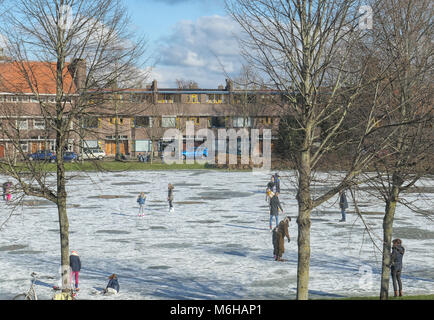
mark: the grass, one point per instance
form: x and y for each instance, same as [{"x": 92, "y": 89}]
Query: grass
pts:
[{"x": 117, "y": 166}]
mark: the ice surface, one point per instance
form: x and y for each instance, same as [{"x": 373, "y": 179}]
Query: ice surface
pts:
[{"x": 216, "y": 245}]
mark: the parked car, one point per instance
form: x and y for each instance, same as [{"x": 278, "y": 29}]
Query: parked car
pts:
[
  {"x": 68, "y": 156},
  {"x": 42, "y": 155},
  {"x": 197, "y": 153},
  {"x": 94, "y": 153}
]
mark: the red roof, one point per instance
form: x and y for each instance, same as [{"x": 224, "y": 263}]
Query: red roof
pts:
[{"x": 20, "y": 77}]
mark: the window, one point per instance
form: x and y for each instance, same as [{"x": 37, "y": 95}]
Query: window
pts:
[
  {"x": 90, "y": 122},
  {"x": 143, "y": 145},
  {"x": 22, "y": 125},
  {"x": 218, "y": 122},
  {"x": 51, "y": 99},
  {"x": 243, "y": 98},
  {"x": 193, "y": 98},
  {"x": 24, "y": 145},
  {"x": 39, "y": 124},
  {"x": 241, "y": 122},
  {"x": 90, "y": 143},
  {"x": 142, "y": 122},
  {"x": 168, "y": 122},
  {"x": 214, "y": 98},
  {"x": 196, "y": 120},
  {"x": 113, "y": 121},
  {"x": 265, "y": 120},
  {"x": 165, "y": 98},
  {"x": 141, "y": 97}
]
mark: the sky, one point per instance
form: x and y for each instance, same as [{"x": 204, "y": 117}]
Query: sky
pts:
[{"x": 187, "y": 39}]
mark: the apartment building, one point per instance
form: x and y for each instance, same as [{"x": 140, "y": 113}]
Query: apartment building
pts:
[{"x": 135, "y": 120}]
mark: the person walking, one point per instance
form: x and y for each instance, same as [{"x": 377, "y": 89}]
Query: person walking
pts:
[
  {"x": 275, "y": 206},
  {"x": 343, "y": 204},
  {"x": 279, "y": 234},
  {"x": 75, "y": 264},
  {"x": 141, "y": 201},
  {"x": 396, "y": 266},
  {"x": 170, "y": 197}
]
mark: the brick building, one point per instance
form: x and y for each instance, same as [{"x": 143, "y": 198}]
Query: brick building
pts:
[{"x": 138, "y": 118}]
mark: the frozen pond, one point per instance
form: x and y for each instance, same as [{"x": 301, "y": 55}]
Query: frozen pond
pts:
[{"x": 216, "y": 245}]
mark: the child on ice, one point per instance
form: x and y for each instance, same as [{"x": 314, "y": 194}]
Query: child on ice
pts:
[{"x": 141, "y": 201}]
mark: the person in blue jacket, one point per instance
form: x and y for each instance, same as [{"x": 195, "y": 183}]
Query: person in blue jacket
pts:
[
  {"x": 141, "y": 201},
  {"x": 113, "y": 285}
]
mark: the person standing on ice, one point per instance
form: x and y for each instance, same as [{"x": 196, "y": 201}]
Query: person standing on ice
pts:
[
  {"x": 141, "y": 201},
  {"x": 170, "y": 197},
  {"x": 75, "y": 264},
  {"x": 270, "y": 187},
  {"x": 396, "y": 266},
  {"x": 279, "y": 234},
  {"x": 343, "y": 204},
  {"x": 4, "y": 187},
  {"x": 7, "y": 196},
  {"x": 275, "y": 206},
  {"x": 276, "y": 180}
]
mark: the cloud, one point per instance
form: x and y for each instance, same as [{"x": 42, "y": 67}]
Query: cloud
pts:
[{"x": 205, "y": 49}]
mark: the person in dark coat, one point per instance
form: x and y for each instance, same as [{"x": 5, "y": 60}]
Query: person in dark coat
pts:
[
  {"x": 4, "y": 187},
  {"x": 396, "y": 265},
  {"x": 75, "y": 264},
  {"x": 170, "y": 197},
  {"x": 279, "y": 234},
  {"x": 113, "y": 285},
  {"x": 343, "y": 204},
  {"x": 276, "y": 180},
  {"x": 275, "y": 206}
]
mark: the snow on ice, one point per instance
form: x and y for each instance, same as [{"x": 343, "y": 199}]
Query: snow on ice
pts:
[{"x": 216, "y": 245}]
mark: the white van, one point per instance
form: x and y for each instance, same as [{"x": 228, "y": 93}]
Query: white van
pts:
[{"x": 92, "y": 153}]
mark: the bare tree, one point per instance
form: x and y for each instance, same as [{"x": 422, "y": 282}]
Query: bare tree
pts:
[
  {"x": 94, "y": 35},
  {"x": 307, "y": 50},
  {"x": 403, "y": 37}
]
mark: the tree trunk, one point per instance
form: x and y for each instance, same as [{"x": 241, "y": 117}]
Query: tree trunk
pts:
[
  {"x": 304, "y": 223},
  {"x": 63, "y": 217},
  {"x": 387, "y": 241}
]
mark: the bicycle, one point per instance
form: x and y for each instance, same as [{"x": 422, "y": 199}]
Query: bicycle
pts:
[{"x": 31, "y": 294}]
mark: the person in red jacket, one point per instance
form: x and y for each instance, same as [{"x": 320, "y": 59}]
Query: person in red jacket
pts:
[{"x": 75, "y": 264}]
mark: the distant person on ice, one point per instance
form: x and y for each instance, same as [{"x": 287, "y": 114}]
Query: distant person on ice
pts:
[
  {"x": 113, "y": 285},
  {"x": 141, "y": 201},
  {"x": 7, "y": 196},
  {"x": 279, "y": 234},
  {"x": 75, "y": 264},
  {"x": 270, "y": 187},
  {"x": 396, "y": 266},
  {"x": 343, "y": 204},
  {"x": 275, "y": 206},
  {"x": 170, "y": 197},
  {"x": 276, "y": 183}
]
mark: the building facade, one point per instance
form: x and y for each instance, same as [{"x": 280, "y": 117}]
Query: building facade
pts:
[{"x": 125, "y": 121}]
